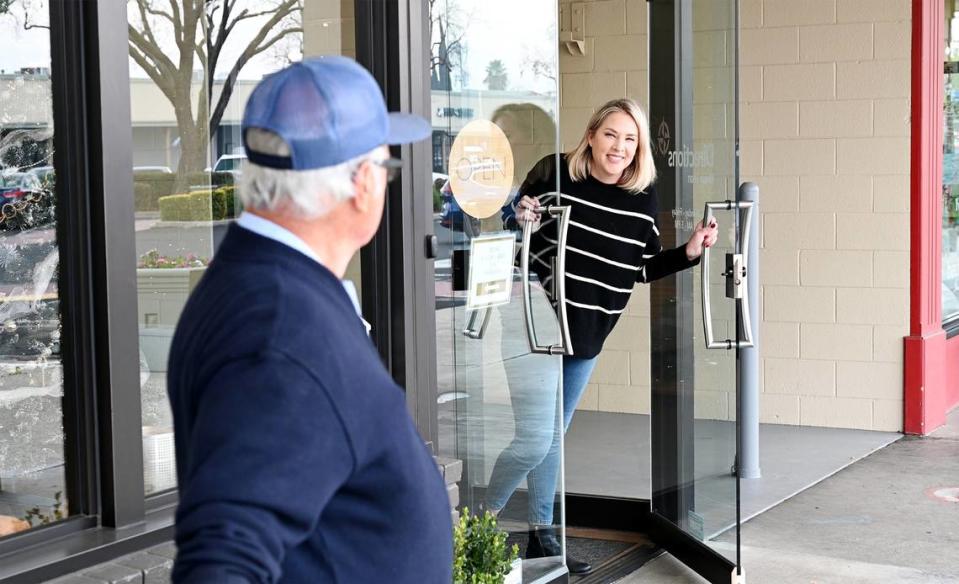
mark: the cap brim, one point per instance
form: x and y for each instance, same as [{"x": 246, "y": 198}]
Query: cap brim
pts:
[{"x": 407, "y": 128}]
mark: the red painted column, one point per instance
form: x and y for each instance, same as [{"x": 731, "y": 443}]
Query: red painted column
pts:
[{"x": 925, "y": 347}]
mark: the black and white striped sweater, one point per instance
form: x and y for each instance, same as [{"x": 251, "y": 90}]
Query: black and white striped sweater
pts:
[{"x": 612, "y": 243}]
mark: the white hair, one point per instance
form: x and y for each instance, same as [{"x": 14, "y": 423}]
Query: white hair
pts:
[{"x": 310, "y": 194}]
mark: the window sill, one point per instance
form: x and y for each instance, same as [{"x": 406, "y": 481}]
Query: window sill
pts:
[{"x": 61, "y": 555}]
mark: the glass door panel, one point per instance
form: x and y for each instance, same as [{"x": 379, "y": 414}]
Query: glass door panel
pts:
[
  {"x": 494, "y": 104},
  {"x": 694, "y": 405}
]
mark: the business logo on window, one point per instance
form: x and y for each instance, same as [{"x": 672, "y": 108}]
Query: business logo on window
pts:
[{"x": 481, "y": 169}]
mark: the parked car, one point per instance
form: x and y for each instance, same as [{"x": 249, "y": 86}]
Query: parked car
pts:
[
  {"x": 44, "y": 174},
  {"x": 232, "y": 163},
  {"x": 15, "y": 186},
  {"x": 157, "y": 169},
  {"x": 451, "y": 215}
]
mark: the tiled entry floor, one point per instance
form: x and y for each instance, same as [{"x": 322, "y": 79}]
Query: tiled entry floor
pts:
[{"x": 608, "y": 454}]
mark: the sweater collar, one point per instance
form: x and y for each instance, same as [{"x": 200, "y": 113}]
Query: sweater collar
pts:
[{"x": 270, "y": 230}]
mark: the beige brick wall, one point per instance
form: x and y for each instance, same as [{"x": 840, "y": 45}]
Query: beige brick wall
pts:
[
  {"x": 824, "y": 119},
  {"x": 615, "y": 64},
  {"x": 824, "y": 96},
  {"x": 329, "y": 28}
]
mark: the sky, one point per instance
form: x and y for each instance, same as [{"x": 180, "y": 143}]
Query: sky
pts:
[
  {"x": 22, "y": 48},
  {"x": 497, "y": 29},
  {"x": 31, "y": 48},
  {"x": 501, "y": 29}
]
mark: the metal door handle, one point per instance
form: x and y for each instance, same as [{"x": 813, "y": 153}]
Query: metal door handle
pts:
[
  {"x": 472, "y": 332},
  {"x": 736, "y": 277},
  {"x": 559, "y": 281}
]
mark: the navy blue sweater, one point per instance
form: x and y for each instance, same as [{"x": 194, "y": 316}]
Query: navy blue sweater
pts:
[{"x": 296, "y": 457}]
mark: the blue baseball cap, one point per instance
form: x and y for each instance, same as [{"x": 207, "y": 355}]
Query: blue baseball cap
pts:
[{"x": 327, "y": 110}]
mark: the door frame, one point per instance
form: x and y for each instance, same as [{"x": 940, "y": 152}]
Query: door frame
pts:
[
  {"x": 398, "y": 290},
  {"x": 398, "y": 296},
  {"x": 672, "y": 439}
]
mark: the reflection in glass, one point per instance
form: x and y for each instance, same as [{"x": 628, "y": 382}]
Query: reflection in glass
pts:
[
  {"x": 498, "y": 403},
  {"x": 32, "y": 491},
  {"x": 703, "y": 499},
  {"x": 191, "y": 71},
  {"x": 950, "y": 172}
]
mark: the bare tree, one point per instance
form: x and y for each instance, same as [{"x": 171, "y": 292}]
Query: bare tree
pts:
[
  {"x": 446, "y": 41},
  {"x": 200, "y": 30},
  {"x": 25, "y": 12}
]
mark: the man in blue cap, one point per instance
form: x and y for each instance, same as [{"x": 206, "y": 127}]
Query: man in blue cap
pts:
[{"x": 296, "y": 457}]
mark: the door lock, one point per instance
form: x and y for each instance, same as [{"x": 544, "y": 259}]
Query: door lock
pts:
[{"x": 735, "y": 275}]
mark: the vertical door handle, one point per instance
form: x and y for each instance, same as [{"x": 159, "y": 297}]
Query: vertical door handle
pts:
[
  {"x": 471, "y": 331},
  {"x": 562, "y": 213},
  {"x": 736, "y": 276}
]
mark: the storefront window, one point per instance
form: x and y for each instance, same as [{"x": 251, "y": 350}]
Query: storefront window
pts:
[
  {"x": 32, "y": 491},
  {"x": 950, "y": 169},
  {"x": 191, "y": 74}
]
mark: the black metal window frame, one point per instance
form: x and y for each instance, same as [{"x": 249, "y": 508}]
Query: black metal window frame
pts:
[
  {"x": 103, "y": 459},
  {"x": 110, "y": 515},
  {"x": 392, "y": 41}
]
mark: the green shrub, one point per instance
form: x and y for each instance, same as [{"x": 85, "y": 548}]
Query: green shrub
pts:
[
  {"x": 143, "y": 198},
  {"x": 188, "y": 207},
  {"x": 228, "y": 193},
  {"x": 198, "y": 206},
  {"x": 437, "y": 200},
  {"x": 148, "y": 187},
  {"x": 480, "y": 555},
  {"x": 217, "y": 179}
]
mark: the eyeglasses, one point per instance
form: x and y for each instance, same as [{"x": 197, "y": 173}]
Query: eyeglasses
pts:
[{"x": 392, "y": 166}]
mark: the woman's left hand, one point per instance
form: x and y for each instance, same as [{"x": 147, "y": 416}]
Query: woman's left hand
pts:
[{"x": 703, "y": 236}]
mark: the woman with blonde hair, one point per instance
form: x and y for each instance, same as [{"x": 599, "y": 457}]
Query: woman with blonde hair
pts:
[{"x": 612, "y": 243}]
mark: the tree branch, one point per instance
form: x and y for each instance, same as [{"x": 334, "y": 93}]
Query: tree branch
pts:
[
  {"x": 145, "y": 21},
  {"x": 166, "y": 84},
  {"x": 161, "y": 62},
  {"x": 177, "y": 19},
  {"x": 245, "y": 14},
  {"x": 156, "y": 12},
  {"x": 256, "y": 46}
]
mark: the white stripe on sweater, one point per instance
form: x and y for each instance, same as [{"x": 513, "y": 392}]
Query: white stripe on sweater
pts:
[
  {"x": 598, "y": 283},
  {"x": 594, "y": 307},
  {"x": 611, "y": 210},
  {"x": 609, "y": 235},
  {"x": 602, "y": 259}
]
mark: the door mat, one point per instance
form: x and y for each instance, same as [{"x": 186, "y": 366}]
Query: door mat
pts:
[{"x": 612, "y": 554}]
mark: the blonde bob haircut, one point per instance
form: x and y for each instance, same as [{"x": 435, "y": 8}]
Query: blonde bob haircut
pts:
[{"x": 642, "y": 172}]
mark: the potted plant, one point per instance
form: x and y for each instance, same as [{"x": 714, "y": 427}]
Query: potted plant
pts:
[{"x": 480, "y": 555}]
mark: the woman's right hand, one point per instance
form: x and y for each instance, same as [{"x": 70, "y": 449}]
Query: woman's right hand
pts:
[{"x": 528, "y": 209}]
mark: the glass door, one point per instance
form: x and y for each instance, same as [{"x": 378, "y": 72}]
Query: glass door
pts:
[
  {"x": 499, "y": 341},
  {"x": 697, "y": 324}
]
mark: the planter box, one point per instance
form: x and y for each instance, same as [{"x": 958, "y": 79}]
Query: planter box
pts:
[
  {"x": 162, "y": 292},
  {"x": 515, "y": 575},
  {"x": 161, "y": 295}
]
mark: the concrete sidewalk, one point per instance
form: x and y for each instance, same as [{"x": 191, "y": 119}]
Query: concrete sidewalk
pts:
[{"x": 877, "y": 521}]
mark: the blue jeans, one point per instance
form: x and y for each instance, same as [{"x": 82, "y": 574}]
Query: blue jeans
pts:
[{"x": 534, "y": 453}]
